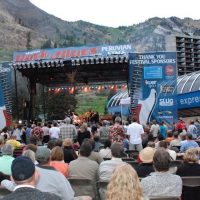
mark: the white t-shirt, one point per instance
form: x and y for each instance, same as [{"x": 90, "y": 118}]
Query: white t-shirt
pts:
[
  {"x": 154, "y": 129},
  {"x": 54, "y": 132},
  {"x": 135, "y": 131}
]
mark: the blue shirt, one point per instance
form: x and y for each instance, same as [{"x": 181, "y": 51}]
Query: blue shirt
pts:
[
  {"x": 188, "y": 145},
  {"x": 163, "y": 131}
]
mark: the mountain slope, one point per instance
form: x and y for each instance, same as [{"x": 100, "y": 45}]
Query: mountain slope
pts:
[{"x": 24, "y": 26}]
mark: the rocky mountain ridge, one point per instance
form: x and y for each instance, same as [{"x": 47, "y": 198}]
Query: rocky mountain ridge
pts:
[{"x": 24, "y": 26}]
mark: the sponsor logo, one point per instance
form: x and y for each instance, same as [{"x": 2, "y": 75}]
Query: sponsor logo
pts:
[
  {"x": 151, "y": 84},
  {"x": 166, "y": 102},
  {"x": 166, "y": 89},
  {"x": 169, "y": 70}
]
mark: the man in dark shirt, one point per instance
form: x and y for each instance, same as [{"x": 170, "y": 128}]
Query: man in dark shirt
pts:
[{"x": 25, "y": 177}]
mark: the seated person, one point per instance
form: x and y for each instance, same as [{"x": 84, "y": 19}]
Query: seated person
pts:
[
  {"x": 146, "y": 162},
  {"x": 162, "y": 182},
  {"x": 189, "y": 143},
  {"x": 190, "y": 167},
  {"x": 57, "y": 161},
  {"x": 6, "y": 159},
  {"x": 106, "y": 167},
  {"x": 106, "y": 151}
]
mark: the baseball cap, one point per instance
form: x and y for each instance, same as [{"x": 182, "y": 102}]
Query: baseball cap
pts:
[{"x": 22, "y": 168}]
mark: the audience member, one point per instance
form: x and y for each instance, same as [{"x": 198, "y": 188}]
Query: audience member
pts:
[
  {"x": 51, "y": 144},
  {"x": 12, "y": 140},
  {"x": 190, "y": 167},
  {"x": 163, "y": 130},
  {"x": 83, "y": 133},
  {"x": 31, "y": 147},
  {"x": 54, "y": 131},
  {"x": 31, "y": 154},
  {"x": 155, "y": 129},
  {"x": 6, "y": 159},
  {"x": 97, "y": 144},
  {"x": 171, "y": 152},
  {"x": 145, "y": 158},
  {"x": 46, "y": 136},
  {"x": 176, "y": 142},
  {"x": 106, "y": 151},
  {"x": 103, "y": 131},
  {"x": 57, "y": 160},
  {"x": 106, "y": 167},
  {"x": 83, "y": 166},
  {"x": 37, "y": 133},
  {"x": 69, "y": 152},
  {"x": 135, "y": 130},
  {"x": 68, "y": 130},
  {"x": 124, "y": 184},
  {"x": 95, "y": 155},
  {"x": 169, "y": 137},
  {"x": 162, "y": 182},
  {"x": 51, "y": 180},
  {"x": 189, "y": 143},
  {"x": 1, "y": 143},
  {"x": 25, "y": 177},
  {"x": 58, "y": 143},
  {"x": 116, "y": 132}
]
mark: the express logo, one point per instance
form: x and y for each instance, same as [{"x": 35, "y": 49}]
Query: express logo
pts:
[
  {"x": 166, "y": 102},
  {"x": 169, "y": 70},
  {"x": 151, "y": 84}
]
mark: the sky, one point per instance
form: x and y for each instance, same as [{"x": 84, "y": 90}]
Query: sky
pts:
[{"x": 116, "y": 13}]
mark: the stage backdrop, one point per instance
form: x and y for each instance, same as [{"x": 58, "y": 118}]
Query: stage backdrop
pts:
[
  {"x": 5, "y": 95},
  {"x": 157, "y": 86}
]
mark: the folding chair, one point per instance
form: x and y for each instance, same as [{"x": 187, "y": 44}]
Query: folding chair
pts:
[
  {"x": 176, "y": 163},
  {"x": 164, "y": 198},
  {"x": 83, "y": 187},
  {"x": 102, "y": 188},
  {"x": 132, "y": 163},
  {"x": 191, "y": 187},
  {"x": 132, "y": 153},
  {"x": 3, "y": 192}
]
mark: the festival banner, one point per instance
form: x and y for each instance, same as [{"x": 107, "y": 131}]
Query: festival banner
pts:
[
  {"x": 158, "y": 95},
  {"x": 71, "y": 53},
  {"x": 5, "y": 94}
]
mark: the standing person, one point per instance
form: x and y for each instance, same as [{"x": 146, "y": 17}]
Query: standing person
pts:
[
  {"x": 28, "y": 133},
  {"x": 180, "y": 126},
  {"x": 116, "y": 132},
  {"x": 83, "y": 133},
  {"x": 68, "y": 130},
  {"x": 54, "y": 131},
  {"x": 135, "y": 130},
  {"x": 37, "y": 133},
  {"x": 26, "y": 177},
  {"x": 155, "y": 129},
  {"x": 46, "y": 136},
  {"x": 103, "y": 131},
  {"x": 18, "y": 132},
  {"x": 163, "y": 130},
  {"x": 192, "y": 129}
]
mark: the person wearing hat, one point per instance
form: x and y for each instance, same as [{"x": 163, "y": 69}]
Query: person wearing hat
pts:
[
  {"x": 25, "y": 177},
  {"x": 146, "y": 162}
]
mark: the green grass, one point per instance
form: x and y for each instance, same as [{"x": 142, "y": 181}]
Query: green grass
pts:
[{"x": 90, "y": 101}]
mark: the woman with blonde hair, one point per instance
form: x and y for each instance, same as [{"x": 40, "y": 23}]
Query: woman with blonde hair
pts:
[
  {"x": 69, "y": 152},
  {"x": 124, "y": 184}
]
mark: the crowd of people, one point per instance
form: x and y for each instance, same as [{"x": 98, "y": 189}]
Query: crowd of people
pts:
[{"x": 49, "y": 154}]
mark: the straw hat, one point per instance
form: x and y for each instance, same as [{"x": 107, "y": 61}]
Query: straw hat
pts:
[{"x": 146, "y": 155}]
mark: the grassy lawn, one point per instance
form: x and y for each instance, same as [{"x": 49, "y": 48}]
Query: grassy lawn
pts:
[{"x": 91, "y": 101}]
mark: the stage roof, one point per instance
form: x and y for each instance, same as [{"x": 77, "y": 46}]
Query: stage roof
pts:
[{"x": 79, "y": 65}]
